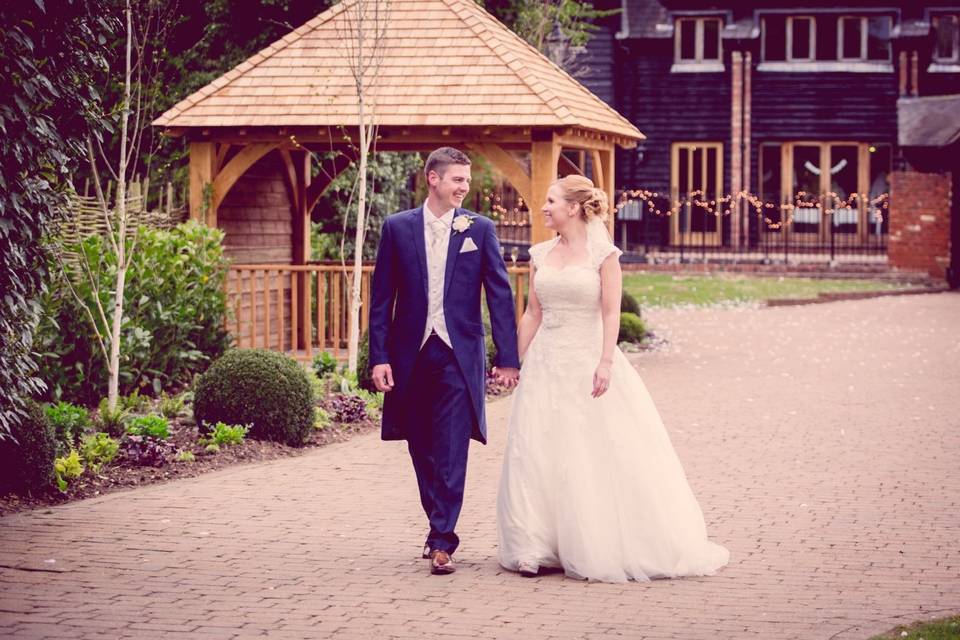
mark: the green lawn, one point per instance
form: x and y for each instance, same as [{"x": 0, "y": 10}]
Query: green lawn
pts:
[
  {"x": 664, "y": 290},
  {"x": 947, "y": 629}
]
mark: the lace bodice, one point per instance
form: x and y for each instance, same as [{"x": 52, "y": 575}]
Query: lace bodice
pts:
[{"x": 570, "y": 298}]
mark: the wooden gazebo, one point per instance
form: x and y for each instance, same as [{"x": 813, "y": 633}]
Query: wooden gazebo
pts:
[{"x": 451, "y": 74}]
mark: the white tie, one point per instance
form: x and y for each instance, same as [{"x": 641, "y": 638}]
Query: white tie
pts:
[{"x": 437, "y": 229}]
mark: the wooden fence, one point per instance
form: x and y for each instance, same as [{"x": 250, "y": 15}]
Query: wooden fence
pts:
[{"x": 303, "y": 310}]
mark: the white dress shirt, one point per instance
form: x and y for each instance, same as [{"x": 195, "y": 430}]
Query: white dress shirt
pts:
[{"x": 436, "y": 270}]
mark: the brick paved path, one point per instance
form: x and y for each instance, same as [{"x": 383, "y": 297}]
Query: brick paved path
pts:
[{"x": 822, "y": 441}]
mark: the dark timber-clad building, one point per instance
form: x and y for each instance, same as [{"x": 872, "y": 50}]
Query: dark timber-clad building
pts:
[{"x": 771, "y": 127}]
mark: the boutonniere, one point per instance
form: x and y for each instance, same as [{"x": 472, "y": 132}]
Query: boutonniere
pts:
[{"x": 462, "y": 222}]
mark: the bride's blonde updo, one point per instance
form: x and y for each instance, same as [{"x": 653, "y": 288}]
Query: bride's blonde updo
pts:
[{"x": 580, "y": 190}]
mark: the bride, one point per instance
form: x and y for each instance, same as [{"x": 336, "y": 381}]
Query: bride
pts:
[{"x": 590, "y": 482}]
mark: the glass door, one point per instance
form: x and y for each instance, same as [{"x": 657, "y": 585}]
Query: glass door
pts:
[{"x": 696, "y": 184}]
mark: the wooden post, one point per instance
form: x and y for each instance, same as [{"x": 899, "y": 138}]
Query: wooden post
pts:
[
  {"x": 202, "y": 174},
  {"x": 301, "y": 244},
  {"x": 544, "y": 156}
]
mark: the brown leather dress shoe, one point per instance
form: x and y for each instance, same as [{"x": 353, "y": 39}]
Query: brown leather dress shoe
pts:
[{"x": 441, "y": 563}]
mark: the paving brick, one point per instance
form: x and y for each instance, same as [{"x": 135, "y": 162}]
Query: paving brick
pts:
[{"x": 821, "y": 442}]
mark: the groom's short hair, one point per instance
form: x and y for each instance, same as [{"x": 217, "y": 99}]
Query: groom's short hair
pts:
[{"x": 440, "y": 159}]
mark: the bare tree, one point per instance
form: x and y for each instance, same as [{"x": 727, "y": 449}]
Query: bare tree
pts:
[
  {"x": 362, "y": 30},
  {"x": 143, "y": 25}
]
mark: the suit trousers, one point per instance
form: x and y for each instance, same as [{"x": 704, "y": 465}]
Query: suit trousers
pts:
[{"x": 439, "y": 439}]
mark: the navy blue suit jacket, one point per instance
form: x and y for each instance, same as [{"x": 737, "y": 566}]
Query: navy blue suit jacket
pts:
[{"x": 398, "y": 311}]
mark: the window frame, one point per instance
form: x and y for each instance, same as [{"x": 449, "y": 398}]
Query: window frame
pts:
[
  {"x": 864, "y": 38},
  {"x": 934, "y": 21},
  {"x": 699, "y": 40},
  {"x": 812, "y": 37}
]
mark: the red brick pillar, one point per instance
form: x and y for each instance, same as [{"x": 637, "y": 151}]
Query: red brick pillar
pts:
[{"x": 919, "y": 213}]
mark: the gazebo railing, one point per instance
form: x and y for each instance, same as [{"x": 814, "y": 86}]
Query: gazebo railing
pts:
[{"x": 303, "y": 310}]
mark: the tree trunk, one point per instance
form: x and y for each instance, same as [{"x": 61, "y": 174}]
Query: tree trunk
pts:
[{"x": 113, "y": 367}]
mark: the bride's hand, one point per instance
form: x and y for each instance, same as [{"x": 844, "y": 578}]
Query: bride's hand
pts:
[{"x": 601, "y": 379}]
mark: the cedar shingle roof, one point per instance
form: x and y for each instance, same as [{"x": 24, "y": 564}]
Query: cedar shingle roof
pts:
[{"x": 446, "y": 63}]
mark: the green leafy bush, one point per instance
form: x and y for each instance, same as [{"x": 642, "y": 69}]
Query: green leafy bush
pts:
[
  {"x": 26, "y": 459},
  {"x": 632, "y": 328},
  {"x": 324, "y": 364},
  {"x": 321, "y": 419},
  {"x": 134, "y": 402},
  {"x": 175, "y": 305},
  {"x": 186, "y": 456},
  {"x": 111, "y": 421},
  {"x": 149, "y": 426},
  {"x": 263, "y": 389},
  {"x": 171, "y": 406},
  {"x": 98, "y": 449},
  {"x": 629, "y": 304},
  {"x": 68, "y": 422},
  {"x": 67, "y": 468},
  {"x": 224, "y": 434}
]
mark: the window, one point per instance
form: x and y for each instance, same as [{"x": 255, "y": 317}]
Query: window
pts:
[
  {"x": 863, "y": 38},
  {"x": 833, "y": 189},
  {"x": 946, "y": 38},
  {"x": 827, "y": 38},
  {"x": 697, "y": 40},
  {"x": 696, "y": 178},
  {"x": 801, "y": 38}
]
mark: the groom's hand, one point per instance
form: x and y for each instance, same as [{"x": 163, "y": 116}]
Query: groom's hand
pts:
[
  {"x": 382, "y": 376},
  {"x": 507, "y": 376}
]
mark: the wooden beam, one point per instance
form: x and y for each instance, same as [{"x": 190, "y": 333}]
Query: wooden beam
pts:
[
  {"x": 508, "y": 166},
  {"x": 320, "y": 183},
  {"x": 235, "y": 168},
  {"x": 606, "y": 180},
  {"x": 202, "y": 173},
  {"x": 569, "y": 167},
  {"x": 544, "y": 156},
  {"x": 297, "y": 169}
]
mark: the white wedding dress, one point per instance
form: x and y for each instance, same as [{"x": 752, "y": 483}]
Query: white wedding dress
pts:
[{"x": 592, "y": 485}]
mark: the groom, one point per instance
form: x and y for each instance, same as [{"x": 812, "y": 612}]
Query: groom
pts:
[{"x": 427, "y": 339}]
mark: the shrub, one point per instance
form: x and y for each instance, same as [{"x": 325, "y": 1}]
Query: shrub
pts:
[
  {"x": 151, "y": 426},
  {"x": 186, "y": 456},
  {"x": 144, "y": 451},
  {"x": 26, "y": 459},
  {"x": 321, "y": 419},
  {"x": 98, "y": 449},
  {"x": 111, "y": 421},
  {"x": 348, "y": 408},
  {"x": 174, "y": 310},
  {"x": 134, "y": 402},
  {"x": 629, "y": 304},
  {"x": 223, "y": 434},
  {"x": 171, "y": 406},
  {"x": 68, "y": 422},
  {"x": 263, "y": 389},
  {"x": 632, "y": 328},
  {"x": 67, "y": 468},
  {"x": 324, "y": 364}
]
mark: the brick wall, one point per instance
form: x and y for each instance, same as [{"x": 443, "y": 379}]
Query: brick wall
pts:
[{"x": 919, "y": 212}]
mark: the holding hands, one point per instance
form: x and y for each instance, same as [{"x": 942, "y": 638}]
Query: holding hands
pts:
[{"x": 507, "y": 376}]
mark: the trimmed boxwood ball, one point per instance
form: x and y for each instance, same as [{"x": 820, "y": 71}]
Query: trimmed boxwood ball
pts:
[
  {"x": 264, "y": 389},
  {"x": 632, "y": 328},
  {"x": 629, "y": 304},
  {"x": 26, "y": 466}
]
